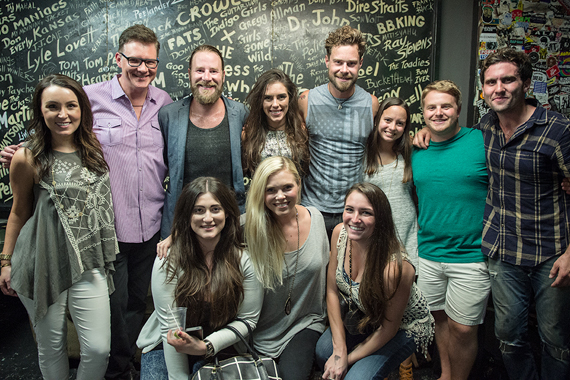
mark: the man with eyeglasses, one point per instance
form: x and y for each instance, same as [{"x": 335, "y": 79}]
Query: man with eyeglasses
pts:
[
  {"x": 125, "y": 120},
  {"x": 125, "y": 112}
]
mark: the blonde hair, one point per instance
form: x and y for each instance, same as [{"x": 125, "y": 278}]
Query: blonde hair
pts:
[
  {"x": 263, "y": 235},
  {"x": 446, "y": 86}
]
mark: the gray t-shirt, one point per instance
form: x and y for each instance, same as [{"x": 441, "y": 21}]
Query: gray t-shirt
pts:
[
  {"x": 208, "y": 153},
  {"x": 336, "y": 144},
  {"x": 275, "y": 328},
  {"x": 389, "y": 179}
]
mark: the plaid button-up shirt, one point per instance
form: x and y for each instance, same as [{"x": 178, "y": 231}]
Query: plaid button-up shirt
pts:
[{"x": 527, "y": 212}]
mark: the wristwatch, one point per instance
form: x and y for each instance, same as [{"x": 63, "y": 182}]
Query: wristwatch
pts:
[{"x": 209, "y": 349}]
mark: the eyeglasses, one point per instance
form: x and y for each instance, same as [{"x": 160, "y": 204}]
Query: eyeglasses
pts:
[{"x": 136, "y": 62}]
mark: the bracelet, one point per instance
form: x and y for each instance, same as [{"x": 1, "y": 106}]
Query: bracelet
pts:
[
  {"x": 6, "y": 265},
  {"x": 4, "y": 256},
  {"x": 209, "y": 349}
]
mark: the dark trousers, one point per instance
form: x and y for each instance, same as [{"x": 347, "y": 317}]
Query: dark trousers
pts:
[
  {"x": 331, "y": 221},
  {"x": 133, "y": 268},
  {"x": 296, "y": 360}
]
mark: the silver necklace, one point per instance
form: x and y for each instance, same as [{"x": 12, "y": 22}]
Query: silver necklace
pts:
[
  {"x": 292, "y": 283},
  {"x": 350, "y": 277},
  {"x": 339, "y": 103}
]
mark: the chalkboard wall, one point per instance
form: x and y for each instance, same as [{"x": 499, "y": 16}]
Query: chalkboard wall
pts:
[{"x": 80, "y": 37}]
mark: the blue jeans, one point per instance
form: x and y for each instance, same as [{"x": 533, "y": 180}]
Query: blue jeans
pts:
[
  {"x": 153, "y": 365},
  {"x": 375, "y": 366},
  {"x": 513, "y": 288}
]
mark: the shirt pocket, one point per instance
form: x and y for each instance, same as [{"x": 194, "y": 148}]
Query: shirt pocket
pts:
[
  {"x": 109, "y": 131},
  {"x": 156, "y": 134},
  {"x": 150, "y": 136},
  {"x": 532, "y": 167}
]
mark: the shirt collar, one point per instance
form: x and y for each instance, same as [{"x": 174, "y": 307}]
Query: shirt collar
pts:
[
  {"x": 117, "y": 91},
  {"x": 538, "y": 117}
]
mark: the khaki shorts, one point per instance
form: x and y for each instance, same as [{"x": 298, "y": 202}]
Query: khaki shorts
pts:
[{"x": 460, "y": 289}]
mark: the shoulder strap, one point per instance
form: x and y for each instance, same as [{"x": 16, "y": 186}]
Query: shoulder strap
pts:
[{"x": 249, "y": 331}]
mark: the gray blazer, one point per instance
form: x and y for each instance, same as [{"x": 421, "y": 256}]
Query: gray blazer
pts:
[{"x": 173, "y": 120}]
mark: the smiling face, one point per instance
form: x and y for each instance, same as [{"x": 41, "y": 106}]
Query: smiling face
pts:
[
  {"x": 503, "y": 89},
  {"x": 392, "y": 124},
  {"x": 358, "y": 217},
  {"x": 136, "y": 78},
  {"x": 281, "y": 193},
  {"x": 441, "y": 115},
  {"x": 60, "y": 111},
  {"x": 343, "y": 64},
  {"x": 208, "y": 219},
  {"x": 276, "y": 105},
  {"x": 206, "y": 77}
]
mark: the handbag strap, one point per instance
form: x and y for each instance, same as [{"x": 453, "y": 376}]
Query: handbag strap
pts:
[
  {"x": 249, "y": 348},
  {"x": 249, "y": 330}
]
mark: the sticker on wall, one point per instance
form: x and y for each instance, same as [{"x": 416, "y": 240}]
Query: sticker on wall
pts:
[
  {"x": 487, "y": 14},
  {"x": 539, "y": 88},
  {"x": 507, "y": 19},
  {"x": 553, "y": 71}
]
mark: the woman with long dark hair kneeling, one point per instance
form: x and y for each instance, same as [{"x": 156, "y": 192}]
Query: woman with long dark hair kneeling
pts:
[
  {"x": 385, "y": 315},
  {"x": 208, "y": 272}
]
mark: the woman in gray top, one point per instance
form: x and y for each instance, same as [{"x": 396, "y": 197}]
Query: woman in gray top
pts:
[
  {"x": 289, "y": 249},
  {"x": 207, "y": 272}
]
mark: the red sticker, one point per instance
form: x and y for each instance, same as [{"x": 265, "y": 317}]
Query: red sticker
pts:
[{"x": 553, "y": 71}]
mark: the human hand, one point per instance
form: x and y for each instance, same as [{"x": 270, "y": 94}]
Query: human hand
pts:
[
  {"x": 5, "y": 282},
  {"x": 162, "y": 247},
  {"x": 566, "y": 185},
  {"x": 422, "y": 138},
  {"x": 185, "y": 343},
  {"x": 7, "y": 154},
  {"x": 561, "y": 270},
  {"x": 335, "y": 367}
]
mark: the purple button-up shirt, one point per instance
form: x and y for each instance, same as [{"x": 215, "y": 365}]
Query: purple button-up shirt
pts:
[{"x": 133, "y": 151}]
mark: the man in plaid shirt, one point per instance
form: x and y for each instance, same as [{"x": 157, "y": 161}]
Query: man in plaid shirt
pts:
[{"x": 526, "y": 227}]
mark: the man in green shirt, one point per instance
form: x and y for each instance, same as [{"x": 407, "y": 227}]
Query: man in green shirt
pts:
[{"x": 451, "y": 183}]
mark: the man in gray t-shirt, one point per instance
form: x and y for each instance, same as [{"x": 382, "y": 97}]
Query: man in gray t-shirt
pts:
[{"x": 339, "y": 116}]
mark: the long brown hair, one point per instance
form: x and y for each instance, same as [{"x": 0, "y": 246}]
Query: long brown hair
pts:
[
  {"x": 384, "y": 246},
  {"x": 39, "y": 136},
  {"x": 256, "y": 125},
  {"x": 222, "y": 287},
  {"x": 401, "y": 146}
]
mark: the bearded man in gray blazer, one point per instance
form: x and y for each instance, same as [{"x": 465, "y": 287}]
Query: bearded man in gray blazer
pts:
[{"x": 202, "y": 133}]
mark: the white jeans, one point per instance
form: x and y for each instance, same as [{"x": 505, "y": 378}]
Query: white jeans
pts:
[{"x": 88, "y": 302}]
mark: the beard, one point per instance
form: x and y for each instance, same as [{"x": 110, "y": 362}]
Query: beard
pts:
[
  {"x": 342, "y": 87},
  {"x": 206, "y": 99}
]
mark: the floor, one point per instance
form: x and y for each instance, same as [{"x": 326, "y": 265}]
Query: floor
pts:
[{"x": 18, "y": 354}]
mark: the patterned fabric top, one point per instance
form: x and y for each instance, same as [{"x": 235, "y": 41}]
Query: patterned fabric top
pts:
[
  {"x": 527, "y": 212},
  {"x": 276, "y": 145},
  {"x": 83, "y": 203},
  {"x": 71, "y": 231},
  {"x": 417, "y": 320}
]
